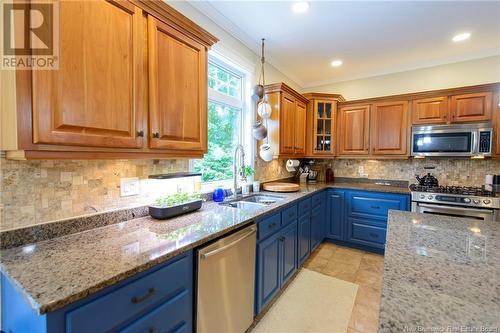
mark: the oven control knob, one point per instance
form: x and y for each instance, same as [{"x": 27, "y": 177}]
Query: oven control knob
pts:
[
  {"x": 466, "y": 200},
  {"x": 477, "y": 202},
  {"x": 430, "y": 197},
  {"x": 486, "y": 201},
  {"x": 422, "y": 196}
]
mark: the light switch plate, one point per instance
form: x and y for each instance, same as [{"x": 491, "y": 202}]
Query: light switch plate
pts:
[{"x": 129, "y": 186}]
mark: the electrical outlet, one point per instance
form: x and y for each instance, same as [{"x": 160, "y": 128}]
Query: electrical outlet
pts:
[
  {"x": 129, "y": 186},
  {"x": 361, "y": 170}
]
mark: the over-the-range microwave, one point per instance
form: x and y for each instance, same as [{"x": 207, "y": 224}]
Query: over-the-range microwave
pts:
[{"x": 464, "y": 140}]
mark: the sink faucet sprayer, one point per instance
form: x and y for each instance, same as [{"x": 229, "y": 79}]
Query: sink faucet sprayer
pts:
[{"x": 241, "y": 171}]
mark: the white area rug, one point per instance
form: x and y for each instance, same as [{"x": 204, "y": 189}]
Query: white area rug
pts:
[{"x": 313, "y": 303}]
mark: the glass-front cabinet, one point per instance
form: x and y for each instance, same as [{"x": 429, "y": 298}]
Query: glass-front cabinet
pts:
[
  {"x": 324, "y": 120},
  {"x": 322, "y": 124}
]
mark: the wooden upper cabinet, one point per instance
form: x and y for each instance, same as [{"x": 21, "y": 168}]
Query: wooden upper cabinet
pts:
[
  {"x": 471, "y": 107},
  {"x": 496, "y": 124},
  {"x": 299, "y": 147},
  {"x": 95, "y": 98},
  {"x": 389, "y": 128},
  {"x": 287, "y": 124},
  {"x": 353, "y": 130},
  {"x": 430, "y": 110},
  {"x": 177, "y": 89}
]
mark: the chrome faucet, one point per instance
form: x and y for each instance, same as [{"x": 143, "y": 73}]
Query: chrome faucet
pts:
[{"x": 241, "y": 171}]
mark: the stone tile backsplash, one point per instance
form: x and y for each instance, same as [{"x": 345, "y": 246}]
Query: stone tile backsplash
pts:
[
  {"x": 459, "y": 172},
  {"x": 34, "y": 192}
]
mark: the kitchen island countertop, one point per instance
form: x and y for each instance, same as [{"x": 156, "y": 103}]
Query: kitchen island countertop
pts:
[{"x": 441, "y": 274}]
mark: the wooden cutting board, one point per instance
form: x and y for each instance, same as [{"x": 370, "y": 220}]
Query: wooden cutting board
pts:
[{"x": 281, "y": 187}]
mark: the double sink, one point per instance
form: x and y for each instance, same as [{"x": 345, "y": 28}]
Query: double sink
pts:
[{"x": 253, "y": 201}]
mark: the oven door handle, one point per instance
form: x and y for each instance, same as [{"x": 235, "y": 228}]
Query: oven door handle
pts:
[{"x": 462, "y": 209}]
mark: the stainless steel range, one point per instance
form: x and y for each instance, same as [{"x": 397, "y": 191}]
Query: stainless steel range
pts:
[{"x": 469, "y": 202}]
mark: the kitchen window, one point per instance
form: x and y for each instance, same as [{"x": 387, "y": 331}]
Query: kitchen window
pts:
[{"x": 226, "y": 122}]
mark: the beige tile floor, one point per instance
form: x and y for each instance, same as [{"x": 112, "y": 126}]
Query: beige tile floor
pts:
[{"x": 356, "y": 266}]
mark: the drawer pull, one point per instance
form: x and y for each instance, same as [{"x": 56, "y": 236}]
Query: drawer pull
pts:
[
  {"x": 373, "y": 235},
  {"x": 282, "y": 238},
  {"x": 272, "y": 225},
  {"x": 375, "y": 207},
  {"x": 291, "y": 214},
  {"x": 140, "y": 299}
]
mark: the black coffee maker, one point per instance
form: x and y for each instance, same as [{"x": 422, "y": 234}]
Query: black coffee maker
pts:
[{"x": 428, "y": 180}]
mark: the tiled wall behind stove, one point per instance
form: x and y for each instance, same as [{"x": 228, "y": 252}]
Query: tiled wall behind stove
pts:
[
  {"x": 462, "y": 172},
  {"x": 34, "y": 192}
]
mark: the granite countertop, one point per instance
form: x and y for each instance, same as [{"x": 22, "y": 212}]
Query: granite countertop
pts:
[
  {"x": 441, "y": 274},
  {"x": 55, "y": 272}
]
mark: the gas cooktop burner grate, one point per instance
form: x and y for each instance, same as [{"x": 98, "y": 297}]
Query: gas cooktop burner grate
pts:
[{"x": 460, "y": 190}]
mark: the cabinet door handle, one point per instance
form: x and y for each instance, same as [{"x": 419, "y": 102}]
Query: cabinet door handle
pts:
[
  {"x": 156, "y": 135},
  {"x": 373, "y": 235},
  {"x": 282, "y": 238},
  {"x": 139, "y": 299},
  {"x": 152, "y": 330},
  {"x": 140, "y": 133}
]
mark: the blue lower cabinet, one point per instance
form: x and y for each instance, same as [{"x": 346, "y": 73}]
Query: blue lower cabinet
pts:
[
  {"x": 359, "y": 218},
  {"x": 268, "y": 270},
  {"x": 359, "y": 232},
  {"x": 336, "y": 214},
  {"x": 160, "y": 298},
  {"x": 171, "y": 316},
  {"x": 304, "y": 237},
  {"x": 318, "y": 219},
  {"x": 276, "y": 263},
  {"x": 289, "y": 252}
]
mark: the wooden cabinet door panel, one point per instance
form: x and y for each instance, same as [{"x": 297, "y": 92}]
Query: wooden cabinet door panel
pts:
[
  {"x": 389, "y": 128},
  {"x": 430, "y": 110},
  {"x": 471, "y": 107},
  {"x": 353, "y": 138},
  {"x": 300, "y": 128},
  {"x": 177, "y": 89},
  {"x": 95, "y": 97},
  {"x": 287, "y": 123},
  {"x": 496, "y": 124}
]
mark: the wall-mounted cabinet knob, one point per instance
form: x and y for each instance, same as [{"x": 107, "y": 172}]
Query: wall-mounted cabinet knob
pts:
[
  {"x": 156, "y": 135},
  {"x": 140, "y": 133}
]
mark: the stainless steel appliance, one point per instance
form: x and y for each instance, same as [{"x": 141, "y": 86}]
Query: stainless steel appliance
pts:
[
  {"x": 226, "y": 278},
  {"x": 469, "y": 140},
  {"x": 469, "y": 202}
]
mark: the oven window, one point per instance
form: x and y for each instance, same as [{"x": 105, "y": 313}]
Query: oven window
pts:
[{"x": 442, "y": 142}]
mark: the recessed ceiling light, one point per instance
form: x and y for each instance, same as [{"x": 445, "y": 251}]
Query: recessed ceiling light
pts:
[
  {"x": 336, "y": 63},
  {"x": 300, "y": 7},
  {"x": 461, "y": 37}
]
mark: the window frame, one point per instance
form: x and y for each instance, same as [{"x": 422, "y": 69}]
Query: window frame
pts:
[{"x": 247, "y": 114}]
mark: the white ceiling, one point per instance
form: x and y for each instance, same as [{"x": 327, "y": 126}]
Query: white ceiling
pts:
[{"x": 371, "y": 37}]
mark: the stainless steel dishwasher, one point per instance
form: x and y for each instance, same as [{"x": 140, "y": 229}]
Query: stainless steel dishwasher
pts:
[{"x": 226, "y": 279}]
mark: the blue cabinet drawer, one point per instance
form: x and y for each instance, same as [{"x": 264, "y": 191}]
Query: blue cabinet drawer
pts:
[
  {"x": 268, "y": 226},
  {"x": 133, "y": 298},
  {"x": 172, "y": 316},
  {"x": 374, "y": 205},
  {"x": 318, "y": 199},
  {"x": 288, "y": 215},
  {"x": 305, "y": 206},
  {"x": 366, "y": 234}
]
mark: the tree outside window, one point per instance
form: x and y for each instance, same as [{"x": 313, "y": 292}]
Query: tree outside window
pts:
[{"x": 224, "y": 123}]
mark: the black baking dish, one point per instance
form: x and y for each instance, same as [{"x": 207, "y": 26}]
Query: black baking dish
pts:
[{"x": 162, "y": 213}]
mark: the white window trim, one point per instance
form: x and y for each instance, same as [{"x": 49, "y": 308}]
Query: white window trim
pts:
[{"x": 247, "y": 117}]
